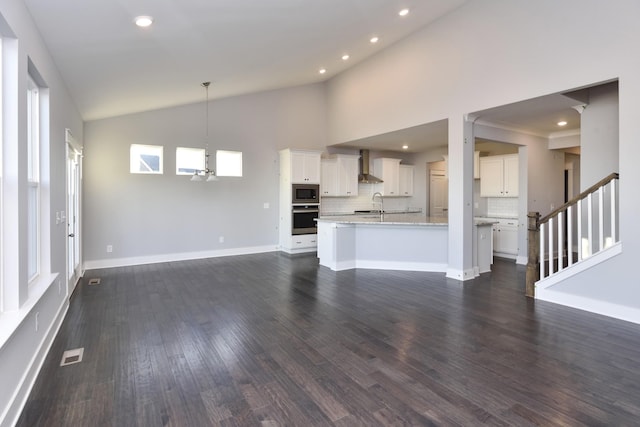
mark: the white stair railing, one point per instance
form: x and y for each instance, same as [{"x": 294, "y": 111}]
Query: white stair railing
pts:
[{"x": 584, "y": 226}]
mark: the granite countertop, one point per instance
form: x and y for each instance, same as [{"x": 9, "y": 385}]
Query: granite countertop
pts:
[
  {"x": 388, "y": 219},
  {"x": 399, "y": 218},
  {"x": 484, "y": 221}
]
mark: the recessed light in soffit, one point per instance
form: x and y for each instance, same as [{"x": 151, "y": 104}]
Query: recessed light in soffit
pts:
[{"x": 143, "y": 21}]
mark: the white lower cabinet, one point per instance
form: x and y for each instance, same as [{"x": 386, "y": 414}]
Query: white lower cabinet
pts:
[
  {"x": 505, "y": 238},
  {"x": 304, "y": 241}
]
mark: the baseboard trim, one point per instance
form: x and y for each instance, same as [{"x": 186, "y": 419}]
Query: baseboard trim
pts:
[
  {"x": 402, "y": 266},
  {"x": 184, "y": 256},
  {"x": 604, "y": 308},
  {"x": 462, "y": 275},
  {"x": 522, "y": 260},
  {"x": 28, "y": 380}
]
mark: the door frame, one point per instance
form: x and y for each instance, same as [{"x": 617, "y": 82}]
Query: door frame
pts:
[{"x": 73, "y": 190}]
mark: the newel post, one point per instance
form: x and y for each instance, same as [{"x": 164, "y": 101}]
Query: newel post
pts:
[{"x": 533, "y": 269}]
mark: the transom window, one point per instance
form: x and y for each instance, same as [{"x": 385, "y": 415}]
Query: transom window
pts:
[
  {"x": 228, "y": 163},
  {"x": 189, "y": 160},
  {"x": 146, "y": 159}
]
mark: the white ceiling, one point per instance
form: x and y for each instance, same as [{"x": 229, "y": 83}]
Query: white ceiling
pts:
[
  {"x": 111, "y": 67},
  {"x": 538, "y": 116}
]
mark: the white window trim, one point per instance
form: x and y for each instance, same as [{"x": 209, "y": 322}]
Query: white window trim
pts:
[
  {"x": 133, "y": 161},
  {"x": 201, "y": 165},
  {"x": 222, "y": 168}
]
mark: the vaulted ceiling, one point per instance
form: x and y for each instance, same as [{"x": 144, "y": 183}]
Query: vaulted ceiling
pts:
[{"x": 112, "y": 67}]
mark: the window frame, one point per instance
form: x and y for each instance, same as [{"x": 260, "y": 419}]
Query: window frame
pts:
[
  {"x": 34, "y": 202},
  {"x": 223, "y": 157},
  {"x": 180, "y": 151},
  {"x": 134, "y": 162}
]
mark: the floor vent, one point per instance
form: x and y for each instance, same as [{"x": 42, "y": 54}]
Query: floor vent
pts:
[
  {"x": 94, "y": 281},
  {"x": 70, "y": 357}
]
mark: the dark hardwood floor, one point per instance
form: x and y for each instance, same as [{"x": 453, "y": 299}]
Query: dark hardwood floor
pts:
[{"x": 272, "y": 340}]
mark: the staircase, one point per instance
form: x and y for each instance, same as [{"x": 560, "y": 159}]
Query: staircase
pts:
[{"x": 579, "y": 234}]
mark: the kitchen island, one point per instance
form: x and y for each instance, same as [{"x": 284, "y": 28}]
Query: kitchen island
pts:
[{"x": 412, "y": 242}]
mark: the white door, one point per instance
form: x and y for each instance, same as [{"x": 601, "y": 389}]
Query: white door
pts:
[
  {"x": 73, "y": 215},
  {"x": 438, "y": 194}
]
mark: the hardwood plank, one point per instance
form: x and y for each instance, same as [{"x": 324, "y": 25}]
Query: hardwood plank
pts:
[{"x": 272, "y": 339}]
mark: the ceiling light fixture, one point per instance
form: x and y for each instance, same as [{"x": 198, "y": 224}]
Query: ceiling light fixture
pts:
[
  {"x": 403, "y": 12},
  {"x": 562, "y": 123},
  {"x": 322, "y": 70},
  {"x": 374, "y": 39},
  {"x": 206, "y": 174},
  {"x": 143, "y": 21},
  {"x": 405, "y": 147},
  {"x": 345, "y": 57}
]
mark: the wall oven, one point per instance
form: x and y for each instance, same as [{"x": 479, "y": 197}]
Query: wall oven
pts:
[
  {"x": 303, "y": 219},
  {"x": 305, "y": 193}
]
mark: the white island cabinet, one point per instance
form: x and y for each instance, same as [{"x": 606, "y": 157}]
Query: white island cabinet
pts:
[{"x": 411, "y": 242}]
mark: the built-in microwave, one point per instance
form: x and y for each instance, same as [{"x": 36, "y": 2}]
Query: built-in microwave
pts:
[{"x": 305, "y": 193}]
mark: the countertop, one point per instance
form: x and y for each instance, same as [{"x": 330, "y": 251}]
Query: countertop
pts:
[{"x": 388, "y": 219}]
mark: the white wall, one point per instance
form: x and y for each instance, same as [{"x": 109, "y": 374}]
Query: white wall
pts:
[
  {"x": 148, "y": 218},
  {"x": 22, "y": 348},
  {"x": 491, "y": 53},
  {"x": 599, "y": 135}
]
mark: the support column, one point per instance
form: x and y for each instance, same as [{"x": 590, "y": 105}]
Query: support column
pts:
[{"x": 460, "y": 173}]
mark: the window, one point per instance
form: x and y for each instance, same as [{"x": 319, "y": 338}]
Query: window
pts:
[
  {"x": 189, "y": 160},
  {"x": 33, "y": 179},
  {"x": 228, "y": 163},
  {"x": 146, "y": 159}
]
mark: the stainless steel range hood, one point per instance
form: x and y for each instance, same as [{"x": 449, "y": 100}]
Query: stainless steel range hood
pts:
[{"x": 364, "y": 177}]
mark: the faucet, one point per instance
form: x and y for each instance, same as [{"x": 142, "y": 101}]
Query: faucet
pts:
[{"x": 373, "y": 199}]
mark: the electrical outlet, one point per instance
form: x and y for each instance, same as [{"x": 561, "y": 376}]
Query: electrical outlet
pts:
[
  {"x": 37, "y": 318},
  {"x": 221, "y": 239},
  {"x": 57, "y": 218},
  {"x": 109, "y": 248},
  {"x": 59, "y": 286},
  {"x": 266, "y": 205}
]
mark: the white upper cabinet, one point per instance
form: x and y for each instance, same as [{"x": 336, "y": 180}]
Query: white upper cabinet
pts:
[
  {"x": 388, "y": 170},
  {"x": 348, "y": 175},
  {"x": 305, "y": 167},
  {"x": 511, "y": 175},
  {"x": 499, "y": 176},
  {"x": 405, "y": 183},
  {"x": 329, "y": 178},
  {"x": 340, "y": 176}
]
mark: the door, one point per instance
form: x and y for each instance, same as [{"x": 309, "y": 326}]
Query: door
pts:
[
  {"x": 74, "y": 159},
  {"x": 438, "y": 194}
]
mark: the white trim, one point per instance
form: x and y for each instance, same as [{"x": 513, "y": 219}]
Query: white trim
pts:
[
  {"x": 21, "y": 394},
  {"x": 461, "y": 275},
  {"x": 522, "y": 260},
  {"x": 578, "y": 267},
  {"x": 402, "y": 266},
  {"x": 629, "y": 314},
  {"x": 184, "y": 256}
]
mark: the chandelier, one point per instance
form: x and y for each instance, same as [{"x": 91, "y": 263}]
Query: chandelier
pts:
[{"x": 205, "y": 174}]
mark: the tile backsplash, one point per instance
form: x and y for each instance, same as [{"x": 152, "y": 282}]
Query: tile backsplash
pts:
[
  {"x": 335, "y": 205},
  {"x": 502, "y": 207}
]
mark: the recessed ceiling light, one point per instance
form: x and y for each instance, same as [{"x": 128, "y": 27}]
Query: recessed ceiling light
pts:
[
  {"x": 345, "y": 57},
  {"x": 403, "y": 12},
  {"x": 143, "y": 21},
  {"x": 405, "y": 147},
  {"x": 562, "y": 123},
  {"x": 374, "y": 39},
  {"x": 322, "y": 70}
]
